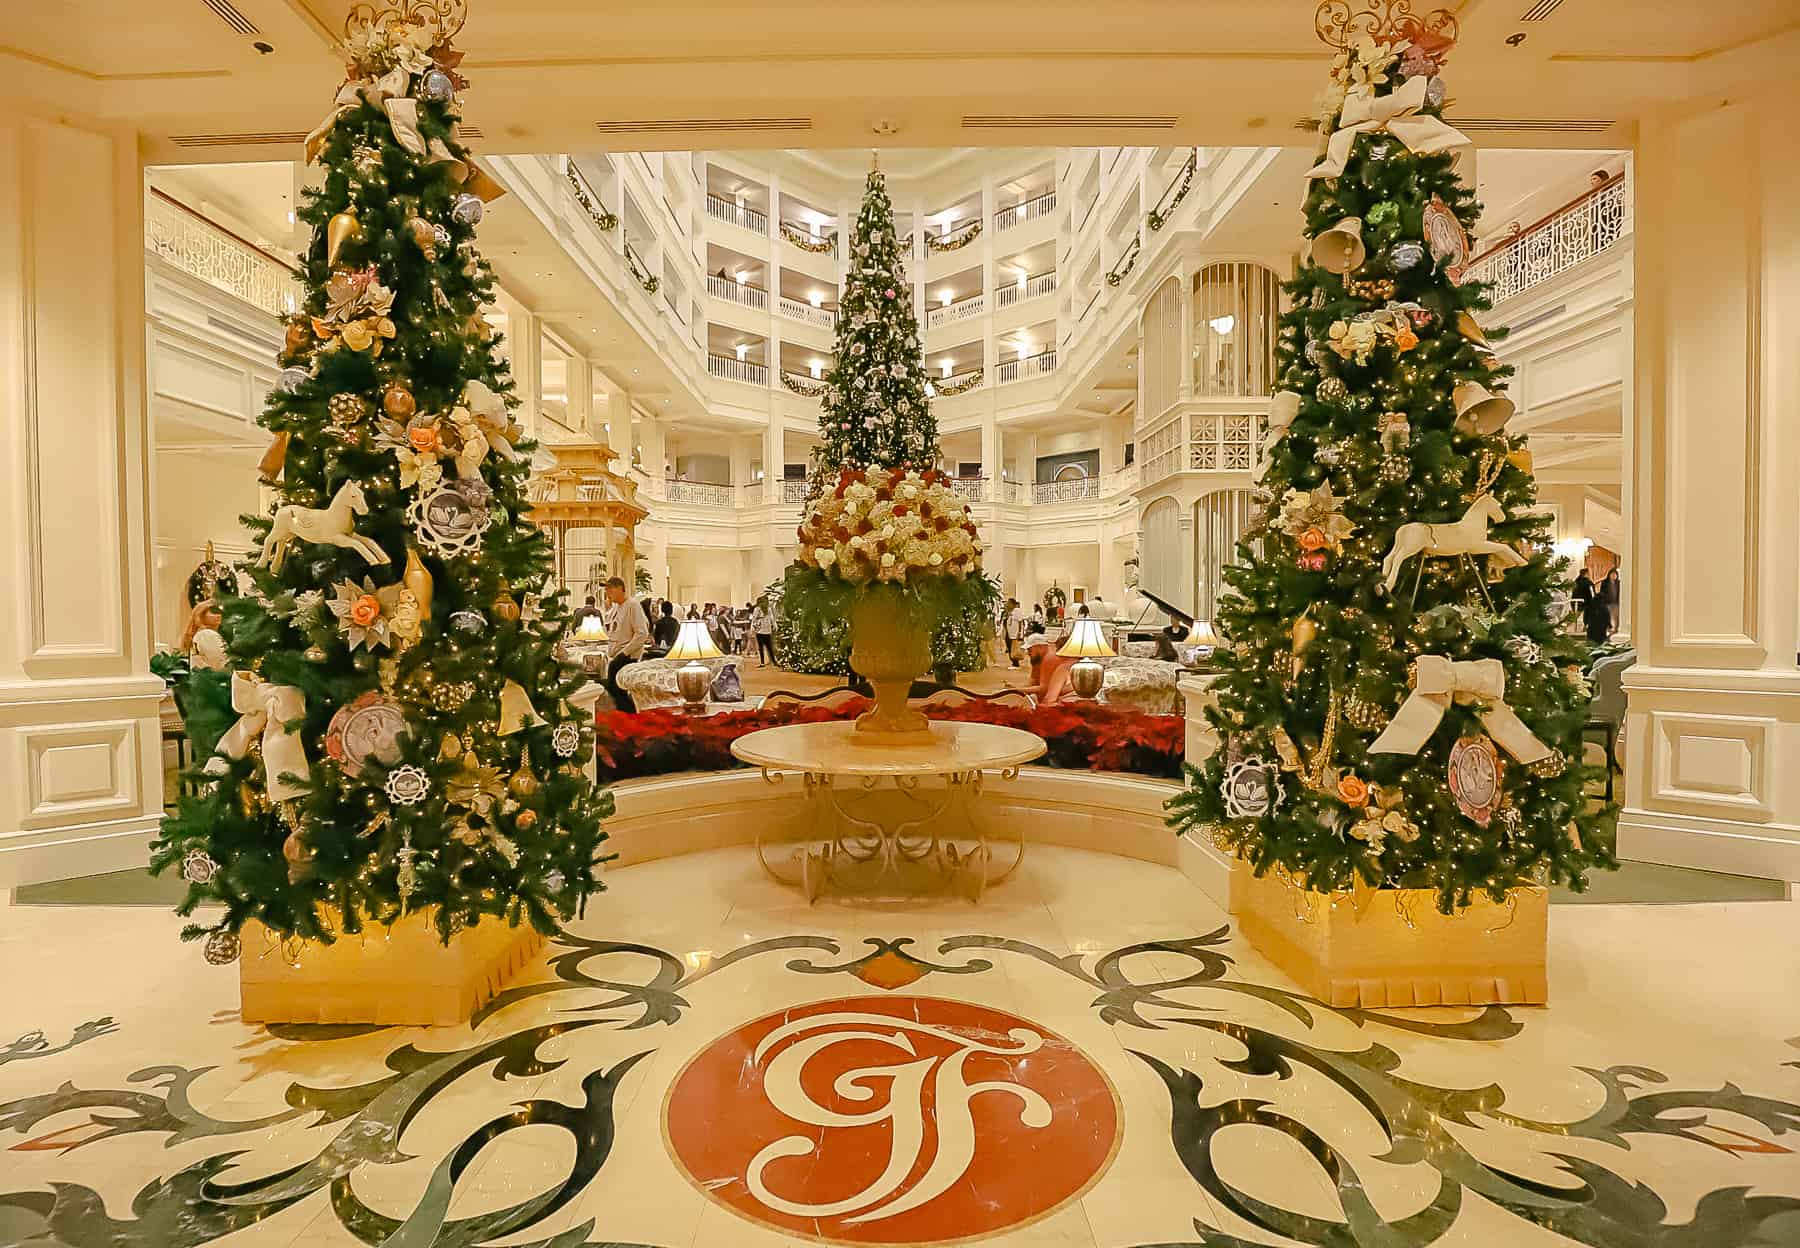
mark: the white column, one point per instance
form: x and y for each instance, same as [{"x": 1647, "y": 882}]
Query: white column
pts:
[
  {"x": 740, "y": 461},
  {"x": 1713, "y": 727},
  {"x": 80, "y": 746},
  {"x": 774, "y": 456}
]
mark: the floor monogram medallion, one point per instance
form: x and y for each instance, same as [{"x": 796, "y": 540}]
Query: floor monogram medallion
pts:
[
  {"x": 1089, "y": 1059},
  {"x": 892, "y": 1120}
]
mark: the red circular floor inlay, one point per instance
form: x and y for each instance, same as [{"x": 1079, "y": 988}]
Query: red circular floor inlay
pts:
[{"x": 892, "y": 1120}]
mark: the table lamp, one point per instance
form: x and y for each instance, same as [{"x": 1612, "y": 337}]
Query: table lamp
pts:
[
  {"x": 588, "y": 641},
  {"x": 1201, "y": 639},
  {"x": 1087, "y": 642},
  {"x": 590, "y": 629},
  {"x": 694, "y": 679}
]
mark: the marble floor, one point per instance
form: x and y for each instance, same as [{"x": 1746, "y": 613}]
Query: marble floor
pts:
[{"x": 1089, "y": 1057}]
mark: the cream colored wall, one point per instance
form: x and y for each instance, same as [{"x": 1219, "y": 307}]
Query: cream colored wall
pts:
[{"x": 199, "y": 497}]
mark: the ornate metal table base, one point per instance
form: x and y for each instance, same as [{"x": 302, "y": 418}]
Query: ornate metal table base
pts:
[{"x": 875, "y": 835}]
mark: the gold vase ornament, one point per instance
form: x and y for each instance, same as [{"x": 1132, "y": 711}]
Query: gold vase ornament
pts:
[{"x": 890, "y": 648}]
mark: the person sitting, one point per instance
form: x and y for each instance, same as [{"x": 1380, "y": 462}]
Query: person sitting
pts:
[
  {"x": 586, "y": 610},
  {"x": 1050, "y": 671},
  {"x": 667, "y": 628}
]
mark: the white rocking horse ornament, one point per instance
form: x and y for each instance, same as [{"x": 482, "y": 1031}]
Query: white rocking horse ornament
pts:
[
  {"x": 329, "y": 526},
  {"x": 1467, "y": 536}
]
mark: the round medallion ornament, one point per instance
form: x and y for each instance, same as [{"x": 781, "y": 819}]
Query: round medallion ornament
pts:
[
  {"x": 1475, "y": 777},
  {"x": 364, "y": 731},
  {"x": 221, "y": 948},
  {"x": 1408, "y": 255},
  {"x": 436, "y": 86},
  {"x": 468, "y": 623},
  {"x": 1524, "y": 649},
  {"x": 891, "y": 1120},
  {"x": 198, "y": 867},
  {"x": 467, "y": 209},
  {"x": 565, "y": 739},
  {"x": 447, "y": 524},
  {"x": 407, "y": 785},
  {"x": 1251, "y": 789}
]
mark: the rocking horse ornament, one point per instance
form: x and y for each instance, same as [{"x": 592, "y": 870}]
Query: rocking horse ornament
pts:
[
  {"x": 334, "y": 525},
  {"x": 1468, "y": 536}
]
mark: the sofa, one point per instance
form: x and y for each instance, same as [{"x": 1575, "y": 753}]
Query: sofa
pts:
[
  {"x": 1141, "y": 684},
  {"x": 651, "y": 682}
]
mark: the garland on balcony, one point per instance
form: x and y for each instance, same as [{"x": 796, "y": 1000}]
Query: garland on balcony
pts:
[
  {"x": 949, "y": 389},
  {"x": 649, "y": 281},
  {"x": 1081, "y": 737},
  {"x": 601, "y": 218},
  {"x": 1160, "y": 218},
  {"x": 1127, "y": 263},
  {"x": 805, "y": 387},
  {"x": 940, "y": 243},
  {"x": 805, "y": 242}
]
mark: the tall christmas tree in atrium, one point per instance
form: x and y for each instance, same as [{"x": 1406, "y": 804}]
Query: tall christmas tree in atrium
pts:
[
  {"x": 1397, "y": 708},
  {"x": 883, "y": 526},
  {"x": 876, "y": 410},
  {"x": 395, "y": 734}
]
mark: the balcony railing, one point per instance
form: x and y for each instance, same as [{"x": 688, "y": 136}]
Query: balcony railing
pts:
[
  {"x": 1040, "y": 365},
  {"x": 806, "y": 239},
  {"x": 954, "y": 239},
  {"x": 951, "y": 313},
  {"x": 218, "y": 257},
  {"x": 1030, "y": 288},
  {"x": 701, "y": 493},
  {"x": 805, "y": 313},
  {"x": 589, "y": 199},
  {"x": 1077, "y": 490},
  {"x": 803, "y": 384},
  {"x": 1017, "y": 214},
  {"x": 793, "y": 491},
  {"x": 969, "y": 489},
  {"x": 737, "y": 292},
  {"x": 1012, "y": 491},
  {"x": 641, "y": 270},
  {"x": 1127, "y": 262},
  {"x": 1225, "y": 443},
  {"x": 732, "y": 369},
  {"x": 955, "y": 383},
  {"x": 751, "y": 219},
  {"x": 1562, "y": 240},
  {"x": 1175, "y": 192}
]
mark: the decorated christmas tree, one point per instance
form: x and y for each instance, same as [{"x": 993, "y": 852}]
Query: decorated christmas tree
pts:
[
  {"x": 1397, "y": 708},
  {"x": 876, "y": 410},
  {"x": 394, "y": 734},
  {"x": 886, "y": 544}
]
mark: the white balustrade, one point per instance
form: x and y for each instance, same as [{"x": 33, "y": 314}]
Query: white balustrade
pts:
[
  {"x": 1568, "y": 236},
  {"x": 746, "y": 371},
  {"x": 969, "y": 489},
  {"x": 1080, "y": 489},
  {"x": 1226, "y": 442},
  {"x": 951, "y": 313},
  {"x": 700, "y": 493},
  {"x": 751, "y": 219},
  {"x": 1030, "y": 288},
  {"x": 798, "y": 310},
  {"x": 737, "y": 292},
  {"x": 793, "y": 491},
  {"x": 1017, "y": 214},
  {"x": 218, "y": 257},
  {"x": 1040, "y": 365}
]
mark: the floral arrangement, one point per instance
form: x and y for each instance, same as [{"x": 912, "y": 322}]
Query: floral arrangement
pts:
[
  {"x": 889, "y": 526},
  {"x": 1086, "y": 737}
]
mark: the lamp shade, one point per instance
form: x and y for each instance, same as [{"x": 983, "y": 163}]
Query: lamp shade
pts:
[
  {"x": 1201, "y": 634},
  {"x": 590, "y": 629},
  {"x": 1087, "y": 640},
  {"x": 694, "y": 642}
]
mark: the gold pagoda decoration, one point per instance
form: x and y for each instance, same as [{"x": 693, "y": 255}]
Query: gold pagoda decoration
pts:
[{"x": 583, "y": 493}]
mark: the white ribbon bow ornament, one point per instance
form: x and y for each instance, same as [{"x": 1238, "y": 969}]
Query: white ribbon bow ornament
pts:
[
  {"x": 1441, "y": 682},
  {"x": 265, "y": 711},
  {"x": 1398, "y": 114}
]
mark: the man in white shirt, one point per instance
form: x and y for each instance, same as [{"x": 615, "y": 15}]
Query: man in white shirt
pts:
[
  {"x": 1015, "y": 630},
  {"x": 627, "y": 633}
]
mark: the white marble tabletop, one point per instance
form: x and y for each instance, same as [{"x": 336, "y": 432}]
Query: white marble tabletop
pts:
[{"x": 832, "y": 749}]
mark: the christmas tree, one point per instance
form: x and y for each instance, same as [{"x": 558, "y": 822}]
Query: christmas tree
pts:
[
  {"x": 395, "y": 734},
  {"x": 876, "y": 410},
  {"x": 1396, "y": 708}
]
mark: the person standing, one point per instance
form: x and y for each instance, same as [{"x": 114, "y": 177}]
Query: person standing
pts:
[
  {"x": 1014, "y": 626},
  {"x": 762, "y": 623},
  {"x": 1609, "y": 592},
  {"x": 627, "y": 633}
]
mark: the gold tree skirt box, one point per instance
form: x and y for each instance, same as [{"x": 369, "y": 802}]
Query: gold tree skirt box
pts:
[
  {"x": 398, "y": 976},
  {"x": 1391, "y": 947}
]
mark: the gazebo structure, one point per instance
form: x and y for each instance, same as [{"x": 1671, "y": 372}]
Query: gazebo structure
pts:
[{"x": 580, "y": 496}]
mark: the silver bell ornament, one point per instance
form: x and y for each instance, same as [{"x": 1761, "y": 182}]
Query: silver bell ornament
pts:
[
  {"x": 1434, "y": 92},
  {"x": 467, "y": 209},
  {"x": 436, "y": 86},
  {"x": 1478, "y": 411},
  {"x": 1407, "y": 255},
  {"x": 291, "y": 379},
  {"x": 1340, "y": 248}
]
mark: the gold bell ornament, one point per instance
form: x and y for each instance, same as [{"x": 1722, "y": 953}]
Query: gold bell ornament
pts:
[
  {"x": 516, "y": 711},
  {"x": 1340, "y": 248},
  {"x": 1478, "y": 411},
  {"x": 342, "y": 228}
]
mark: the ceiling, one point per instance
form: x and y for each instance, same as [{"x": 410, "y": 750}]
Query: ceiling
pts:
[{"x": 557, "y": 75}]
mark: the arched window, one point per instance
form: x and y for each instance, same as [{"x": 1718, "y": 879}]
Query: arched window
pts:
[
  {"x": 1162, "y": 349},
  {"x": 1236, "y": 307},
  {"x": 1161, "y": 569},
  {"x": 1220, "y": 519}
]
